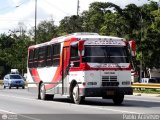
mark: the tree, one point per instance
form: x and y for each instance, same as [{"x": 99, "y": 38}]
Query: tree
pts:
[
  {"x": 46, "y": 30},
  {"x": 70, "y": 25},
  {"x": 114, "y": 25},
  {"x": 6, "y": 41},
  {"x": 13, "y": 50}
]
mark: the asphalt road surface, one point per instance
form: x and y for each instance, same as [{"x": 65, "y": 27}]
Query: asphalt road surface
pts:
[{"x": 19, "y": 104}]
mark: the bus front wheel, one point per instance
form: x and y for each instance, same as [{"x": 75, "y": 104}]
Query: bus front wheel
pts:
[
  {"x": 118, "y": 99},
  {"x": 42, "y": 93},
  {"x": 77, "y": 99}
]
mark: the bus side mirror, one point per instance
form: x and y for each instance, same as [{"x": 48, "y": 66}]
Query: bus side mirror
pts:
[
  {"x": 81, "y": 48},
  {"x": 81, "y": 45},
  {"x": 132, "y": 45}
]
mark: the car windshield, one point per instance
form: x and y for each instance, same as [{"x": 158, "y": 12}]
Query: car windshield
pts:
[
  {"x": 15, "y": 77},
  {"x": 106, "y": 54}
]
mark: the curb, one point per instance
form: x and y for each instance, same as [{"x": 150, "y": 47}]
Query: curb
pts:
[{"x": 144, "y": 94}]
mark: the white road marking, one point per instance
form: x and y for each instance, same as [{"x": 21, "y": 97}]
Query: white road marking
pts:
[
  {"x": 142, "y": 100},
  {"x": 108, "y": 109},
  {"x": 17, "y": 97},
  {"x": 24, "y": 116}
]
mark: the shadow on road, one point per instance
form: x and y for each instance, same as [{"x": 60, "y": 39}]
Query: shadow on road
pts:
[
  {"x": 108, "y": 102},
  {"x": 91, "y": 101},
  {"x": 146, "y": 104}
]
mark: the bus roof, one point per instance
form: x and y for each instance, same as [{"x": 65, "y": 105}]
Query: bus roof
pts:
[{"x": 79, "y": 36}]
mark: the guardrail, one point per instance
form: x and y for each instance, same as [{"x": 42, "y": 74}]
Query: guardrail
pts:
[
  {"x": 134, "y": 85},
  {"x": 146, "y": 85}
]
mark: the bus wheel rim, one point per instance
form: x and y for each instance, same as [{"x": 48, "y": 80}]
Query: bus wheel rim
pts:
[
  {"x": 75, "y": 93},
  {"x": 42, "y": 91}
]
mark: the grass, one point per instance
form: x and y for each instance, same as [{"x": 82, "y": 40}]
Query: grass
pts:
[{"x": 147, "y": 91}]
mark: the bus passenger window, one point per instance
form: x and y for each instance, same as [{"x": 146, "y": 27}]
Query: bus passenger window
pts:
[
  {"x": 41, "y": 57},
  {"x": 48, "y": 56},
  {"x": 35, "y": 63},
  {"x": 56, "y": 54},
  {"x": 30, "y": 61}
]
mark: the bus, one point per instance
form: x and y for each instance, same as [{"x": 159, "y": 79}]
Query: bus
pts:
[{"x": 81, "y": 65}]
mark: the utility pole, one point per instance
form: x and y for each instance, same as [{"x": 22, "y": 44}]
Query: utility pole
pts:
[
  {"x": 158, "y": 6},
  {"x": 78, "y": 7},
  {"x": 35, "y": 31},
  {"x": 141, "y": 62}
]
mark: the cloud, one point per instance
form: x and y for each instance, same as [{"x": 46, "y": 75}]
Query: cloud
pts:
[
  {"x": 14, "y": 2},
  {"x": 57, "y": 9},
  {"x": 11, "y": 19}
]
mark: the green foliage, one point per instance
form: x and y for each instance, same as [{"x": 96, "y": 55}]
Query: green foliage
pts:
[
  {"x": 141, "y": 23},
  {"x": 13, "y": 53},
  {"x": 46, "y": 30},
  {"x": 71, "y": 24},
  {"x": 147, "y": 91}
]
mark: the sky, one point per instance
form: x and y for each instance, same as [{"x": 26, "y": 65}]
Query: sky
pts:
[{"x": 14, "y": 12}]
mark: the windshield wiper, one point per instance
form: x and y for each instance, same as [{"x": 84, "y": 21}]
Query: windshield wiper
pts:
[{"x": 111, "y": 61}]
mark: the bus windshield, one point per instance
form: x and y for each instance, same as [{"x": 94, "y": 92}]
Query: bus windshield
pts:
[{"x": 106, "y": 54}]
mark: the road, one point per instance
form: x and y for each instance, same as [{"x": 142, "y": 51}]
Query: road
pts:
[{"x": 23, "y": 105}]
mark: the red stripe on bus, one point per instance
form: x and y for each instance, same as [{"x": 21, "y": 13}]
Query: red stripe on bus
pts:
[{"x": 35, "y": 75}]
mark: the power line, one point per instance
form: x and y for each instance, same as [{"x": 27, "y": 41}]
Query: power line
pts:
[
  {"x": 21, "y": 3},
  {"x": 9, "y": 7},
  {"x": 29, "y": 20},
  {"x": 49, "y": 3}
]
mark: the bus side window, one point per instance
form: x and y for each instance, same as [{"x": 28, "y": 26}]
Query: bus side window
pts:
[
  {"x": 56, "y": 54},
  {"x": 30, "y": 59},
  {"x": 48, "y": 56},
  {"x": 41, "y": 57},
  {"x": 75, "y": 59},
  {"x": 35, "y": 63}
]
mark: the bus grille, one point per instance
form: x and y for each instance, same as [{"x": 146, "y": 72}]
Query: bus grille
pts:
[{"x": 109, "y": 81}]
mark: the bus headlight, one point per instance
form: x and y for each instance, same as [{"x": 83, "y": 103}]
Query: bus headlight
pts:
[
  {"x": 92, "y": 83},
  {"x": 126, "y": 83}
]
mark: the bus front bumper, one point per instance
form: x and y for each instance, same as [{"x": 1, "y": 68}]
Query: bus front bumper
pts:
[{"x": 106, "y": 91}]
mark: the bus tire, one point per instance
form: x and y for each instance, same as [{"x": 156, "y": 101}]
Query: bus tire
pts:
[
  {"x": 4, "y": 86},
  {"x": 39, "y": 87},
  {"x": 42, "y": 92},
  {"x": 118, "y": 99},
  {"x": 77, "y": 99},
  {"x": 49, "y": 96},
  {"x": 43, "y": 95}
]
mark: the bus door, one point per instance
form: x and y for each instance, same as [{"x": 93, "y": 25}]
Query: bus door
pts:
[{"x": 65, "y": 70}]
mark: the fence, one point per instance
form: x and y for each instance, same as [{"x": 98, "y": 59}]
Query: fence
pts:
[
  {"x": 134, "y": 85},
  {"x": 146, "y": 85}
]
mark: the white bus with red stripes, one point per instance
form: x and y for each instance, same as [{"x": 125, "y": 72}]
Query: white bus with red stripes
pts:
[{"x": 81, "y": 65}]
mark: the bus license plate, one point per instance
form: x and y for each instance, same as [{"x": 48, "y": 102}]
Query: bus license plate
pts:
[{"x": 110, "y": 92}]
